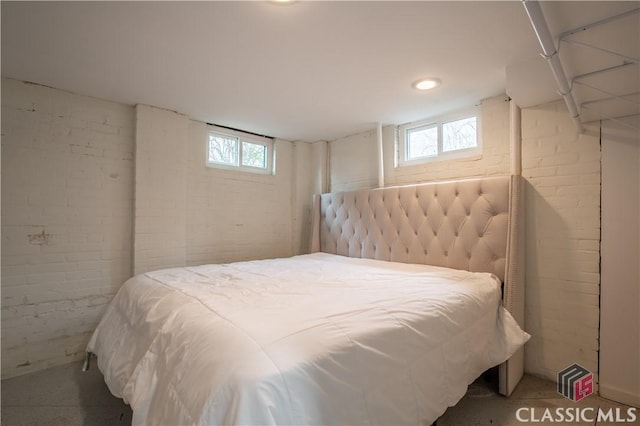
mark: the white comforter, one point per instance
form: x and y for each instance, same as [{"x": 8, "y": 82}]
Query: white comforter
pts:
[{"x": 314, "y": 339}]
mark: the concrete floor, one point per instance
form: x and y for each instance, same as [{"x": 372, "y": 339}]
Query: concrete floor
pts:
[
  {"x": 482, "y": 406},
  {"x": 65, "y": 395}
]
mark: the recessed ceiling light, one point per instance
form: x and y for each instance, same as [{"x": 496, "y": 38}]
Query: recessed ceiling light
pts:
[
  {"x": 426, "y": 83},
  {"x": 282, "y": 2}
]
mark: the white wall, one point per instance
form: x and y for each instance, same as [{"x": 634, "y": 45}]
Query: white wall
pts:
[
  {"x": 493, "y": 161},
  {"x": 234, "y": 216},
  {"x": 190, "y": 214},
  {"x": 562, "y": 172},
  {"x": 562, "y": 237},
  {"x": 160, "y": 189},
  {"x": 67, "y": 190},
  {"x": 620, "y": 286},
  {"x": 309, "y": 177},
  {"x": 67, "y": 164},
  {"x": 353, "y": 162},
  {"x": 354, "y": 159},
  {"x": 68, "y": 215}
]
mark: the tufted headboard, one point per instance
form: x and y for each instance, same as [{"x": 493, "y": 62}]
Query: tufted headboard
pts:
[
  {"x": 471, "y": 224},
  {"x": 459, "y": 224}
]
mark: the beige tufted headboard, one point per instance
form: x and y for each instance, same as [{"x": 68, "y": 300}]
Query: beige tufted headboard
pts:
[
  {"x": 472, "y": 224},
  {"x": 459, "y": 224}
]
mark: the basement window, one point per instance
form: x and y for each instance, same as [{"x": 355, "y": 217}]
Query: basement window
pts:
[
  {"x": 234, "y": 150},
  {"x": 442, "y": 138}
]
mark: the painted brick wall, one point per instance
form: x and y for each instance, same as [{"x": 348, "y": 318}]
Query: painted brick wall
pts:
[
  {"x": 493, "y": 161},
  {"x": 562, "y": 170},
  {"x": 67, "y": 190},
  {"x": 67, "y": 173},
  {"x": 354, "y": 159},
  {"x": 353, "y": 162},
  {"x": 160, "y": 189},
  {"x": 309, "y": 177},
  {"x": 68, "y": 214},
  {"x": 233, "y": 216},
  {"x": 188, "y": 214}
]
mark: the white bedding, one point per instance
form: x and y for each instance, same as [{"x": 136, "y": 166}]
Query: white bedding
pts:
[{"x": 313, "y": 339}]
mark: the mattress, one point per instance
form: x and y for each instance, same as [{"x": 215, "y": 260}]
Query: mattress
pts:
[{"x": 312, "y": 339}]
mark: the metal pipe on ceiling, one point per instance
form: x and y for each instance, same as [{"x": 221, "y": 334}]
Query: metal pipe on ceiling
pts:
[
  {"x": 608, "y": 20},
  {"x": 550, "y": 53}
]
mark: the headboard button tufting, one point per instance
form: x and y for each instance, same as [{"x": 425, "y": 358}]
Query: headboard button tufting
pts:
[{"x": 415, "y": 220}]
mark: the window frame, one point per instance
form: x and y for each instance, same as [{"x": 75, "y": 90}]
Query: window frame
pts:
[
  {"x": 241, "y": 137},
  {"x": 441, "y": 155}
]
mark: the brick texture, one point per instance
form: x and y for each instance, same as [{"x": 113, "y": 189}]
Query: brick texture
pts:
[
  {"x": 67, "y": 173},
  {"x": 68, "y": 213},
  {"x": 354, "y": 159},
  {"x": 233, "y": 216},
  {"x": 160, "y": 189},
  {"x": 562, "y": 170},
  {"x": 493, "y": 161},
  {"x": 354, "y": 162},
  {"x": 77, "y": 221}
]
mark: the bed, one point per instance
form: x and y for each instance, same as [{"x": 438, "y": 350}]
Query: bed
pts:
[{"x": 397, "y": 309}]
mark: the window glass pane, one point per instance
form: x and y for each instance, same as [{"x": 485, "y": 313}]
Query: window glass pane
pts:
[
  {"x": 422, "y": 142},
  {"x": 254, "y": 155},
  {"x": 223, "y": 149},
  {"x": 460, "y": 134}
]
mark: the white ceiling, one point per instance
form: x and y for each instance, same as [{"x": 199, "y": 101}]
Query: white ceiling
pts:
[{"x": 306, "y": 71}]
